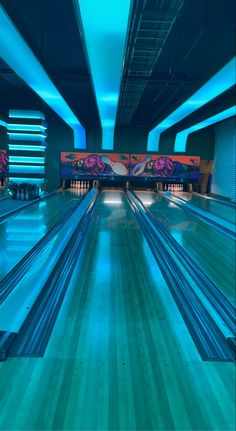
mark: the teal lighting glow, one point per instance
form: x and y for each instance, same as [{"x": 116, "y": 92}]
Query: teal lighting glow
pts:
[
  {"x": 224, "y": 79},
  {"x": 105, "y": 25},
  {"x": 26, "y": 127},
  {"x": 26, "y": 136},
  {"x": 24, "y": 113},
  {"x": 26, "y": 169},
  {"x": 3, "y": 123},
  {"x": 19, "y": 57},
  {"x": 37, "y": 181},
  {"x": 13, "y": 147},
  {"x": 182, "y": 137},
  {"x": 19, "y": 159}
]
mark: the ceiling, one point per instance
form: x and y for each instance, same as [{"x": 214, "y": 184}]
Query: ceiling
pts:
[{"x": 173, "y": 47}]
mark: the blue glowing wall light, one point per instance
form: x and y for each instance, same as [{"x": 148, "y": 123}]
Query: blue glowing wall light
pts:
[
  {"x": 105, "y": 25},
  {"x": 39, "y": 148},
  {"x": 31, "y": 160},
  {"x": 3, "y": 123},
  {"x": 19, "y": 57},
  {"x": 37, "y": 181},
  {"x": 27, "y": 114},
  {"x": 182, "y": 137},
  {"x": 224, "y": 79},
  {"x": 26, "y": 136},
  {"x": 26, "y": 127},
  {"x": 26, "y": 169}
]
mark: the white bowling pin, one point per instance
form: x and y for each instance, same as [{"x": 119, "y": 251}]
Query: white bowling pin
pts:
[
  {"x": 139, "y": 168},
  {"x": 117, "y": 167},
  {"x": 26, "y": 195},
  {"x": 18, "y": 194},
  {"x": 22, "y": 196}
]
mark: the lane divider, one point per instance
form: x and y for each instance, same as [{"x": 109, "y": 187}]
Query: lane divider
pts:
[
  {"x": 220, "y": 303},
  {"x": 8, "y": 283},
  {"x": 35, "y": 333},
  {"x": 12, "y": 213},
  {"x": 17, "y": 306},
  {"x": 223, "y": 226},
  {"x": 208, "y": 338}
]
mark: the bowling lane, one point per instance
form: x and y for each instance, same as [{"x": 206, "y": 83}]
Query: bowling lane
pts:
[
  {"x": 21, "y": 232},
  {"x": 120, "y": 356},
  {"x": 212, "y": 250},
  {"x": 214, "y": 207}
]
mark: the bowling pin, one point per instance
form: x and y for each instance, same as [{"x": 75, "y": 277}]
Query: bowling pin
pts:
[
  {"x": 117, "y": 167},
  {"x": 26, "y": 195},
  {"x": 18, "y": 194},
  {"x": 139, "y": 168},
  {"x": 22, "y": 196}
]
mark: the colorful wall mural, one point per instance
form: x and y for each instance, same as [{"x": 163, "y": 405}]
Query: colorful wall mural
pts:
[
  {"x": 3, "y": 163},
  {"x": 76, "y": 165},
  {"x": 158, "y": 166}
]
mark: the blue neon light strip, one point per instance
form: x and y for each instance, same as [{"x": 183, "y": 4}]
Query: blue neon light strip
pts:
[
  {"x": 26, "y": 127},
  {"x": 182, "y": 137},
  {"x": 27, "y": 180},
  {"x": 26, "y": 169},
  {"x": 31, "y": 160},
  {"x": 3, "y": 123},
  {"x": 19, "y": 57},
  {"x": 218, "y": 84},
  {"x": 24, "y": 113},
  {"x": 13, "y": 147},
  {"x": 105, "y": 24},
  {"x": 26, "y": 136}
]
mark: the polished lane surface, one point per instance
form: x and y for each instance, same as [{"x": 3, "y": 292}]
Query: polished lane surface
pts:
[
  {"x": 213, "y": 251},
  {"x": 212, "y": 206},
  {"x": 21, "y": 232},
  {"x": 120, "y": 356}
]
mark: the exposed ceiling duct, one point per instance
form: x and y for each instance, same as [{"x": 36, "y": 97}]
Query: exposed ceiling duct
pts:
[{"x": 150, "y": 26}]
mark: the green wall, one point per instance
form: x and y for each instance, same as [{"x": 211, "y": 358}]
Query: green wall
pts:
[{"x": 60, "y": 138}]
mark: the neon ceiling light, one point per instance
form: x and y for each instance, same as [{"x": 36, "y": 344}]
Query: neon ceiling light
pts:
[
  {"x": 19, "y": 57},
  {"x": 105, "y": 24},
  {"x": 182, "y": 137},
  {"x": 218, "y": 84}
]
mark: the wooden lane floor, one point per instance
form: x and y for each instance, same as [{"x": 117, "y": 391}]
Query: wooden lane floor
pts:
[
  {"x": 21, "y": 232},
  {"x": 212, "y": 206},
  {"x": 212, "y": 250},
  {"x": 120, "y": 356}
]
